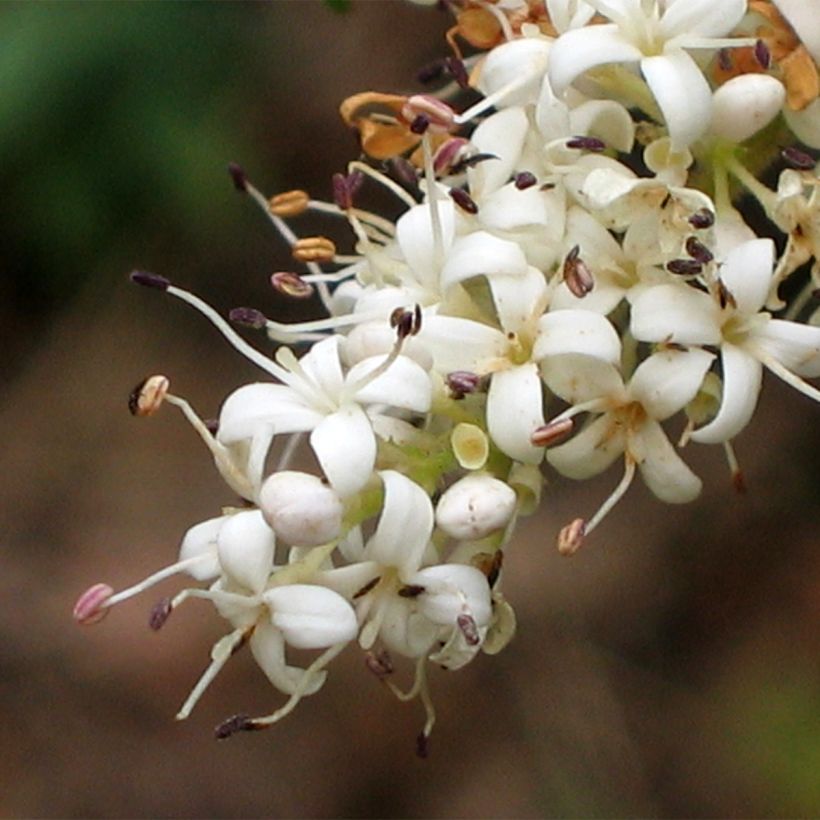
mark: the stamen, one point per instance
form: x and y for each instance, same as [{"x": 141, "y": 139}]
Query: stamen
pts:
[
  {"x": 552, "y": 433},
  {"x": 147, "y": 397},
  {"x": 615, "y": 497},
  {"x": 458, "y": 71},
  {"x": 289, "y": 203},
  {"x": 463, "y": 200},
  {"x": 430, "y": 72},
  {"x": 432, "y": 204},
  {"x": 592, "y": 144},
  {"x": 698, "y": 251},
  {"x": 385, "y": 181},
  {"x": 240, "y": 181},
  {"x": 702, "y": 218},
  {"x": 450, "y": 154},
  {"x": 291, "y": 284},
  {"x": 434, "y": 113},
  {"x": 345, "y": 188},
  {"x": 317, "y": 249},
  {"x": 571, "y": 537},
  {"x": 738, "y": 480},
  {"x": 149, "y": 280},
  {"x": 379, "y": 663},
  {"x": 92, "y": 605},
  {"x": 489, "y": 101},
  {"x": 524, "y": 180},
  {"x": 684, "y": 267},
  {"x": 152, "y": 580},
  {"x": 762, "y": 54},
  {"x": 461, "y": 383},
  {"x": 248, "y": 317},
  {"x": 469, "y": 628},
  {"x": 786, "y": 375},
  {"x": 798, "y": 159},
  {"x": 577, "y": 275}
]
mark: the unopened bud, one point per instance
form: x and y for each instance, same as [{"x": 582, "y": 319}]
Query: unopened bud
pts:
[
  {"x": 463, "y": 200},
  {"x": 379, "y": 663},
  {"x": 469, "y": 629},
  {"x": 345, "y": 188},
  {"x": 798, "y": 159},
  {"x": 249, "y": 317},
  {"x": 475, "y": 506},
  {"x": 289, "y": 203},
  {"x": 524, "y": 180},
  {"x": 91, "y": 605},
  {"x": 240, "y": 181},
  {"x": 439, "y": 116},
  {"x": 314, "y": 249},
  {"x": 698, "y": 251},
  {"x": 684, "y": 267},
  {"x": 149, "y": 280},
  {"x": 147, "y": 397},
  {"x": 577, "y": 275},
  {"x": 552, "y": 433},
  {"x": 571, "y": 537},
  {"x": 291, "y": 284},
  {"x": 587, "y": 144}
]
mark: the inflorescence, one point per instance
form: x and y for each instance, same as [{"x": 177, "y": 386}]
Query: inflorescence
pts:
[{"x": 569, "y": 274}]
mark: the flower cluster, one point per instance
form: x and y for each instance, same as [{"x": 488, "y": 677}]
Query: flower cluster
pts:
[{"x": 569, "y": 273}]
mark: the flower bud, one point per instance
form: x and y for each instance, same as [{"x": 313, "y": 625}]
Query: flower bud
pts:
[
  {"x": 475, "y": 506},
  {"x": 301, "y": 509},
  {"x": 745, "y": 104}
]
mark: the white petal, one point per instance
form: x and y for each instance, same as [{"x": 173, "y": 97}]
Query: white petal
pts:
[
  {"x": 552, "y": 115},
  {"x": 519, "y": 299},
  {"x": 794, "y": 345},
  {"x": 404, "y": 630},
  {"x": 345, "y": 446},
  {"x": 310, "y": 616},
  {"x": 567, "y": 14},
  {"x": 707, "y": 18},
  {"x": 675, "y": 313},
  {"x": 605, "y": 119},
  {"x": 582, "y": 332},
  {"x": 404, "y": 384},
  {"x": 667, "y": 381},
  {"x": 509, "y": 209},
  {"x": 745, "y": 104},
  {"x": 580, "y": 49},
  {"x": 747, "y": 273},
  {"x": 245, "y": 546},
  {"x": 513, "y": 61},
  {"x": 577, "y": 378},
  {"x": 321, "y": 363},
  {"x": 405, "y": 525},
  {"x": 257, "y": 404},
  {"x": 200, "y": 540},
  {"x": 805, "y": 123},
  {"x": 802, "y": 16},
  {"x": 502, "y": 135},
  {"x": 591, "y": 451},
  {"x": 268, "y": 647},
  {"x": 414, "y": 232},
  {"x": 351, "y": 579},
  {"x": 742, "y": 375},
  {"x": 662, "y": 469},
  {"x": 482, "y": 254},
  {"x": 476, "y": 345},
  {"x": 682, "y": 93},
  {"x": 452, "y": 590},
  {"x": 514, "y": 410}
]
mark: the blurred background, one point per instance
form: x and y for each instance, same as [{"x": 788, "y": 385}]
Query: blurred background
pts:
[{"x": 669, "y": 669}]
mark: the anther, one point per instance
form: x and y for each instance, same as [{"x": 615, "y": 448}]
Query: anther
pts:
[
  {"x": 147, "y": 397},
  {"x": 471, "y": 162},
  {"x": 438, "y": 116},
  {"x": 762, "y": 54},
  {"x": 367, "y": 587},
  {"x": 160, "y": 613},
  {"x": 289, "y": 203},
  {"x": 450, "y": 154},
  {"x": 291, "y": 284},
  {"x": 724, "y": 57},
  {"x": 577, "y": 275},
  {"x": 458, "y": 71},
  {"x": 587, "y": 144},
  {"x": 345, "y": 188},
  {"x": 684, "y": 267},
  {"x": 91, "y": 605},
  {"x": 698, "y": 251},
  {"x": 571, "y": 537},
  {"x": 461, "y": 383},
  {"x": 430, "y": 72},
  {"x": 314, "y": 249},
  {"x": 237, "y": 723},
  {"x": 403, "y": 171},
  {"x": 249, "y": 317},
  {"x": 406, "y": 322},
  {"x": 420, "y": 124},
  {"x": 463, "y": 200},
  {"x": 552, "y": 433},
  {"x": 725, "y": 296},
  {"x": 524, "y": 180},
  {"x": 240, "y": 181},
  {"x": 149, "y": 280},
  {"x": 469, "y": 629},
  {"x": 702, "y": 218},
  {"x": 410, "y": 591},
  {"x": 422, "y": 745},
  {"x": 379, "y": 663},
  {"x": 798, "y": 159}
]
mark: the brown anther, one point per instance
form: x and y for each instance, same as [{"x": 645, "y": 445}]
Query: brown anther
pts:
[
  {"x": 91, "y": 605},
  {"x": 702, "y": 218},
  {"x": 289, "y": 203},
  {"x": 449, "y": 154},
  {"x": 797, "y": 159},
  {"x": 410, "y": 591},
  {"x": 248, "y": 316},
  {"x": 379, "y": 663},
  {"x": 725, "y": 296},
  {"x": 404, "y": 172},
  {"x": 552, "y": 433},
  {"x": 440, "y": 117},
  {"x": 237, "y": 723},
  {"x": 471, "y": 162},
  {"x": 684, "y": 267},
  {"x": 458, "y": 71},
  {"x": 571, "y": 537},
  {"x": 724, "y": 57},
  {"x": 577, "y": 276},
  {"x": 345, "y": 188},
  {"x": 147, "y": 397},
  {"x": 461, "y": 383},
  {"x": 587, "y": 144},
  {"x": 314, "y": 249},
  {"x": 212, "y": 426},
  {"x": 469, "y": 629},
  {"x": 406, "y": 322},
  {"x": 524, "y": 180},
  {"x": 762, "y": 54},
  {"x": 160, "y": 613},
  {"x": 420, "y": 124},
  {"x": 240, "y": 181},
  {"x": 698, "y": 251},
  {"x": 367, "y": 587},
  {"x": 478, "y": 27},
  {"x": 463, "y": 200},
  {"x": 291, "y": 284}
]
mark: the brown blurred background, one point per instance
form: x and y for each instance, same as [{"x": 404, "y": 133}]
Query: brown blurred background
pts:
[{"x": 669, "y": 669}]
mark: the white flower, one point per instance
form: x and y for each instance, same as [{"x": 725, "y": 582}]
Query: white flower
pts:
[
  {"x": 748, "y": 337},
  {"x": 332, "y": 405},
  {"x": 654, "y": 35}
]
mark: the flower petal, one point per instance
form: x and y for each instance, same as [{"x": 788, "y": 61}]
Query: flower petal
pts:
[
  {"x": 501, "y": 135},
  {"x": 747, "y": 273},
  {"x": 583, "y": 332},
  {"x": 482, "y": 254},
  {"x": 794, "y": 345},
  {"x": 591, "y": 451},
  {"x": 511, "y": 62},
  {"x": 706, "y": 18},
  {"x": 451, "y": 590},
  {"x": 245, "y": 546},
  {"x": 662, "y": 469},
  {"x": 674, "y": 313},
  {"x": 682, "y": 93},
  {"x": 518, "y": 299},
  {"x": 268, "y": 647},
  {"x": 414, "y": 232},
  {"x": 404, "y": 384},
  {"x": 478, "y": 344},
  {"x": 321, "y": 364},
  {"x": 310, "y": 616},
  {"x": 742, "y": 377},
  {"x": 199, "y": 541},
  {"x": 345, "y": 446},
  {"x": 514, "y": 410}
]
